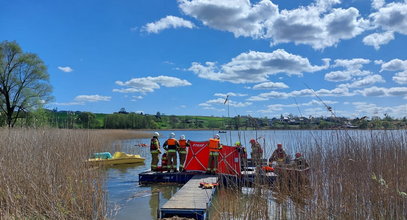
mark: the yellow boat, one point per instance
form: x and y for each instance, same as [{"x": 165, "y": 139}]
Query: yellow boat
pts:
[{"x": 118, "y": 158}]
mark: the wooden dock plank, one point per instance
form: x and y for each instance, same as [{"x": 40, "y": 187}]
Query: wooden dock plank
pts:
[{"x": 191, "y": 196}]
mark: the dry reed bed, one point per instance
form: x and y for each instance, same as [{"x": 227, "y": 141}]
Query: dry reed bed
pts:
[
  {"x": 43, "y": 174},
  {"x": 354, "y": 175}
]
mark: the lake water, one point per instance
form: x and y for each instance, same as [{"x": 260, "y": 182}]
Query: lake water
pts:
[{"x": 128, "y": 200}]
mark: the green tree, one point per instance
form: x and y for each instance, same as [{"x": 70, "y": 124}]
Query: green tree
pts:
[{"x": 24, "y": 81}]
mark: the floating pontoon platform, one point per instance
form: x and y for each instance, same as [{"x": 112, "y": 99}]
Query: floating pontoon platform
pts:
[{"x": 191, "y": 200}]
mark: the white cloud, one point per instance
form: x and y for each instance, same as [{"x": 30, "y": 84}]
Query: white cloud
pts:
[
  {"x": 91, "y": 98},
  {"x": 378, "y": 39},
  {"x": 395, "y": 65},
  {"x": 365, "y": 81},
  {"x": 380, "y": 91},
  {"x": 270, "y": 85},
  {"x": 352, "y": 64},
  {"x": 378, "y": 62},
  {"x": 237, "y": 16},
  {"x": 337, "y": 76},
  {"x": 65, "y": 69},
  {"x": 229, "y": 94},
  {"x": 377, "y": 4},
  {"x": 221, "y": 101},
  {"x": 400, "y": 77},
  {"x": 83, "y": 99},
  {"x": 391, "y": 17},
  {"x": 352, "y": 69},
  {"x": 136, "y": 97},
  {"x": 255, "y": 67},
  {"x": 317, "y": 25},
  {"x": 281, "y": 107},
  {"x": 370, "y": 109},
  {"x": 149, "y": 84},
  {"x": 339, "y": 91},
  {"x": 166, "y": 23}
]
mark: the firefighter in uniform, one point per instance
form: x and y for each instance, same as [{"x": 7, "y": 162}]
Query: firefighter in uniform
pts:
[
  {"x": 182, "y": 151},
  {"x": 155, "y": 151},
  {"x": 214, "y": 148},
  {"x": 171, "y": 145},
  {"x": 278, "y": 155},
  {"x": 257, "y": 153}
]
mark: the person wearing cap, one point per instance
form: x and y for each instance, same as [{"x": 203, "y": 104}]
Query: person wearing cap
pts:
[
  {"x": 257, "y": 152},
  {"x": 155, "y": 151},
  {"x": 214, "y": 148},
  {"x": 182, "y": 151},
  {"x": 243, "y": 154},
  {"x": 300, "y": 161},
  {"x": 171, "y": 145},
  {"x": 279, "y": 155}
]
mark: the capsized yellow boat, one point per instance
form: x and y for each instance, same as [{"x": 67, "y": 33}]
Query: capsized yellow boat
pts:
[{"x": 106, "y": 158}]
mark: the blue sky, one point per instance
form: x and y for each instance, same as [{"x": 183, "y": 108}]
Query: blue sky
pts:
[{"x": 184, "y": 57}]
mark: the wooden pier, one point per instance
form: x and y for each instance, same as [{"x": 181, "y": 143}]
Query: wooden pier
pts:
[{"x": 191, "y": 200}]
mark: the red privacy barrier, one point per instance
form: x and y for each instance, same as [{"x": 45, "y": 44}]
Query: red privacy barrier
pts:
[{"x": 198, "y": 154}]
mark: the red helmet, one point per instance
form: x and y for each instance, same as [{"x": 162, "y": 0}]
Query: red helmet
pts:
[
  {"x": 279, "y": 146},
  {"x": 252, "y": 141},
  {"x": 297, "y": 155}
]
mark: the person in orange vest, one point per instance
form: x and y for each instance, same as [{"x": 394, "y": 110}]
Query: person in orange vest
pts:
[
  {"x": 214, "y": 148},
  {"x": 155, "y": 151},
  {"x": 182, "y": 151},
  {"x": 171, "y": 145}
]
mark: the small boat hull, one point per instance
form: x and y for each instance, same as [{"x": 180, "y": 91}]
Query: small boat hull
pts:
[{"x": 118, "y": 158}]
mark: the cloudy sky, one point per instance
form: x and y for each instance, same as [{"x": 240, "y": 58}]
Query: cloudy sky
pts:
[{"x": 184, "y": 57}]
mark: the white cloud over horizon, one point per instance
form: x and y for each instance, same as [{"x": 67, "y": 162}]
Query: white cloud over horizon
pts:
[
  {"x": 65, "y": 69},
  {"x": 92, "y": 98},
  {"x": 83, "y": 99},
  {"x": 166, "y": 23},
  {"x": 254, "y": 67},
  {"x": 270, "y": 85},
  {"x": 148, "y": 84}
]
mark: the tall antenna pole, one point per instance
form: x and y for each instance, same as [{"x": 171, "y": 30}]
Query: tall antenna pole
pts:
[{"x": 230, "y": 132}]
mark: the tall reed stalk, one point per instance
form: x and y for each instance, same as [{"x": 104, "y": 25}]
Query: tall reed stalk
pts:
[
  {"x": 43, "y": 174},
  {"x": 354, "y": 175}
]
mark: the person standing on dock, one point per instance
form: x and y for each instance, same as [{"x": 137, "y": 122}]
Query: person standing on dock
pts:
[
  {"x": 257, "y": 153},
  {"x": 279, "y": 155},
  {"x": 242, "y": 153},
  {"x": 182, "y": 151},
  {"x": 171, "y": 145},
  {"x": 214, "y": 148},
  {"x": 155, "y": 151}
]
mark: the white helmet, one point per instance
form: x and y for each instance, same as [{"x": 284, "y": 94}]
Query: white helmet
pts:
[
  {"x": 156, "y": 134},
  {"x": 172, "y": 135},
  {"x": 182, "y": 137},
  {"x": 216, "y": 136}
]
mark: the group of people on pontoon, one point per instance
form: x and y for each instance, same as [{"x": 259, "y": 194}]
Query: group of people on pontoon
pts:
[{"x": 174, "y": 147}]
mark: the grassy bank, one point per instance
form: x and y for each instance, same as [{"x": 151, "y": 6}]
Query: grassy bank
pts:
[
  {"x": 353, "y": 176},
  {"x": 43, "y": 174}
]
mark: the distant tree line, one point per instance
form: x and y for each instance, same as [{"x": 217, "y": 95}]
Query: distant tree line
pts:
[{"x": 130, "y": 120}]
